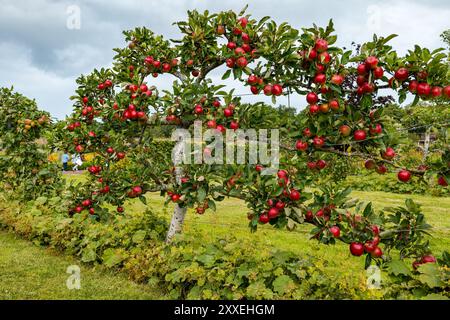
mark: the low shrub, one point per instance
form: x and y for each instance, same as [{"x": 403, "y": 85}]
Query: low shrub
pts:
[
  {"x": 370, "y": 181},
  {"x": 194, "y": 267}
]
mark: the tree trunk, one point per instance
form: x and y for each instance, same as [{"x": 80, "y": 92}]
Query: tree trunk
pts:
[
  {"x": 179, "y": 213},
  {"x": 426, "y": 145}
]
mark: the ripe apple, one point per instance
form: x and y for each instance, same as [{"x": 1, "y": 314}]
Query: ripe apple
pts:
[
  {"x": 175, "y": 197},
  {"x": 321, "y": 164},
  {"x": 428, "y": 259},
  {"x": 320, "y": 78},
  {"x": 401, "y": 74},
  {"x": 375, "y": 230},
  {"x": 264, "y": 218},
  {"x": 446, "y": 92},
  {"x": 378, "y": 129},
  {"x": 86, "y": 203},
  {"x": 321, "y": 45},
  {"x": 356, "y": 249},
  {"x": 120, "y": 209},
  {"x": 312, "y": 98},
  {"x": 442, "y": 181},
  {"x": 381, "y": 169},
  {"x": 307, "y": 132},
  {"x": 301, "y": 145},
  {"x": 324, "y": 57},
  {"x": 243, "y": 22},
  {"x": 312, "y": 54},
  {"x": 110, "y": 150},
  {"x": 335, "y": 231},
  {"x": 361, "y": 69},
  {"x": 345, "y": 130},
  {"x": 273, "y": 213},
  {"x": 412, "y": 87},
  {"x": 221, "y": 128},
  {"x": 313, "y": 109},
  {"x": 230, "y": 62},
  {"x": 423, "y": 89},
  {"x": 371, "y": 62},
  {"x": 318, "y": 141},
  {"x": 378, "y": 73},
  {"x": 277, "y": 89},
  {"x": 311, "y": 165},
  {"x": 254, "y": 89},
  {"x": 334, "y": 105},
  {"x": 389, "y": 154},
  {"x": 377, "y": 253},
  {"x": 239, "y": 51},
  {"x": 436, "y": 92},
  {"x": 267, "y": 90},
  {"x": 211, "y": 124},
  {"x": 404, "y": 175},
  {"x": 252, "y": 79},
  {"x": 309, "y": 215},
  {"x": 259, "y": 167},
  {"x": 294, "y": 195},
  {"x": 324, "y": 108},
  {"x": 282, "y": 174},
  {"x": 227, "y": 112},
  {"x": 361, "y": 80},
  {"x": 359, "y": 135},
  {"x": 369, "y": 164},
  {"x": 198, "y": 109},
  {"x": 337, "y": 79},
  {"x": 234, "y": 125},
  {"x": 241, "y": 62}
]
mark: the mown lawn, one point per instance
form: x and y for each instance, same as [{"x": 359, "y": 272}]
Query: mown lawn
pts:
[
  {"x": 231, "y": 218},
  {"x": 30, "y": 272}
]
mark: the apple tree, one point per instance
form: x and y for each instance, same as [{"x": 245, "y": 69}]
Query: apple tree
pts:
[
  {"x": 24, "y": 168},
  {"x": 115, "y": 110}
]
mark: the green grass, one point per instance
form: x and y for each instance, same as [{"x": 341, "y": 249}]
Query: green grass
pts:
[{"x": 30, "y": 272}]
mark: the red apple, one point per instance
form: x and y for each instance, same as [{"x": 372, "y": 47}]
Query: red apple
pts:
[
  {"x": 321, "y": 45},
  {"x": 356, "y": 248},
  {"x": 371, "y": 62},
  {"x": 312, "y": 98},
  {"x": 294, "y": 195},
  {"x": 335, "y": 231},
  {"x": 301, "y": 145},
  {"x": 401, "y": 74},
  {"x": 404, "y": 175},
  {"x": 359, "y": 135}
]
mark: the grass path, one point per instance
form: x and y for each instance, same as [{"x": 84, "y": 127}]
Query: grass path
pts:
[{"x": 30, "y": 272}]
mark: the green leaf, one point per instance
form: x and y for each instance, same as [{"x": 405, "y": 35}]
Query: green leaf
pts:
[
  {"x": 88, "y": 255},
  {"x": 430, "y": 275},
  {"x": 143, "y": 199},
  {"x": 111, "y": 258},
  {"x": 201, "y": 194},
  {"x": 283, "y": 284},
  {"x": 226, "y": 75},
  {"x": 139, "y": 236},
  {"x": 397, "y": 267}
]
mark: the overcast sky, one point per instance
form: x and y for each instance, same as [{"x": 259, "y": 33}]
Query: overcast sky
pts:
[{"x": 41, "y": 57}]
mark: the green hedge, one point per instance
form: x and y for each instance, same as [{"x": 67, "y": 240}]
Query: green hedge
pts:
[
  {"x": 193, "y": 267},
  {"x": 389, "y": 183}
]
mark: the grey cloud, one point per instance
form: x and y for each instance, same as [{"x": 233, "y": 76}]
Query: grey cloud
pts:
[{"x": 38, "y": 51}]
